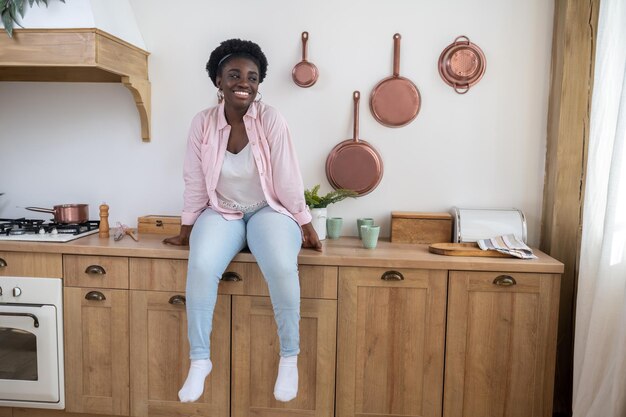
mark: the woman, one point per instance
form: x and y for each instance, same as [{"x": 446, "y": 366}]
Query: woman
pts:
[{"x": 243, "y": 187}]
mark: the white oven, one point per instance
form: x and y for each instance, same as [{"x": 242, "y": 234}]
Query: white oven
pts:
[{"x": 31, "y": 342}]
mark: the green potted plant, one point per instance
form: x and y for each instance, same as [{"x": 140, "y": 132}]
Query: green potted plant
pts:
[
  {"x": 10, "y": 9},
  {"x": 318, "y": 205}
]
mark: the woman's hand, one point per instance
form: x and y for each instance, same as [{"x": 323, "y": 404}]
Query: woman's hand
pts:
[
  {"x": 310, "y": 238},
  {"x": 183, "y": 237}
]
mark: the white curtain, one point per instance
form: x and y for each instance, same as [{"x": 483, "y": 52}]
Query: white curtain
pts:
[{"x": 600, "y": 334}]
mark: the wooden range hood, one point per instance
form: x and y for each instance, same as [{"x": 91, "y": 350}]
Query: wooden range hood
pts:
[{"x": 78, "y": 55}]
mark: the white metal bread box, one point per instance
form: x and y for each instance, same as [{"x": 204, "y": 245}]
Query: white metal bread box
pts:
[{"x": 471, "y": 224}]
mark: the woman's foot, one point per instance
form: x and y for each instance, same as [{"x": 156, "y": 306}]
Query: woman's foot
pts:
[
  {"x": 194, "y": 385},
  {"x": 286, "y": 387}
]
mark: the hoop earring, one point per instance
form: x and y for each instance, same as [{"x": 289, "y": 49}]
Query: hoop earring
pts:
[
  {"x": 259, "y": 96},
  {"x": 220, "y": 96}
]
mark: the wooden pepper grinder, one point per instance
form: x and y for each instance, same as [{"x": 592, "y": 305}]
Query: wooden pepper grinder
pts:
[{"x": 104, "y": 221}]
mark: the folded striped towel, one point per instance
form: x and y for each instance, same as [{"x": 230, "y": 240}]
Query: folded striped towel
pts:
[{"x": 508, "y": 244}]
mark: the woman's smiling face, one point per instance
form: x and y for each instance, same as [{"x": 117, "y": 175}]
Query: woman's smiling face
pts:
[{"x": 239, "y": 80}]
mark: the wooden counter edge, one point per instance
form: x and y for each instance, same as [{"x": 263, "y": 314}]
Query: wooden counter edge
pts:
[{"x": 346, "y": 251}]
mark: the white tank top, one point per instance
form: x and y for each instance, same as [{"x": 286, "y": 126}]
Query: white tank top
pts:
[{"x": 239, "y": 186}]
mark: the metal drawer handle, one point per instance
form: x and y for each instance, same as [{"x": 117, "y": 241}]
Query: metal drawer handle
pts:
[
  {"x": 231, "y": 276},
  {"x": 178, "y": 299},
  {"x": 504, "y": 281},
  {"x": 3, "y": 263},
  {"x": 32, "y": 316},
  {"x": 392, "y": 276},
  {"x": 95, "y": 270},
  {"x": 95, "y": 296}
]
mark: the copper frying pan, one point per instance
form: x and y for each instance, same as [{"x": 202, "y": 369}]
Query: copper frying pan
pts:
[
  {"x": 395, "y": 101},
  {"x": 354, "y": 164},
  {"x": 305, "y": 73}
]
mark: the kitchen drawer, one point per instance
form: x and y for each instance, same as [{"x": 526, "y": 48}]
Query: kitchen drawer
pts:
[
  {"x": 240, "y": 278},
  {"x": 21, "y": 264},
  {"x": 158, "y": 274},
  {"x": 315, "y": 281},
  {"x": 95, "y": 271},
  {"x": 500, "y": 281}
]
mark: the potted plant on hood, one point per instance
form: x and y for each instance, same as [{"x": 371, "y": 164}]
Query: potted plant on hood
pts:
[{"x": 318, "y": 205}]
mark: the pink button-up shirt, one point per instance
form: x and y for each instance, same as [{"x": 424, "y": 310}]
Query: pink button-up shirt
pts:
[{"x": 273, "y": 152}]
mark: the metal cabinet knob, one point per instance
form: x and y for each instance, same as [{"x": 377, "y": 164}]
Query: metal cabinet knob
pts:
[
  {"x": 178, "y": 300},
  {"x": 392, "y": 276},
  {"x": 231, "y": 276},
  {"x": 504, "y": 281},
  {"x": 3, "y": 263},
  {"x": 95, "y": 296},
  {"x": 95, "y": 270},
  {"x": 17, "y": 291}
]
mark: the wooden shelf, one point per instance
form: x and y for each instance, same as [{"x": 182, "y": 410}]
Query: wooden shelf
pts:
[{"x": 78, "y": 55}]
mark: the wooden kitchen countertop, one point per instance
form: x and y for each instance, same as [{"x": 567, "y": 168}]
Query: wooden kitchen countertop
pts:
[{"x": 346, "y": 251}]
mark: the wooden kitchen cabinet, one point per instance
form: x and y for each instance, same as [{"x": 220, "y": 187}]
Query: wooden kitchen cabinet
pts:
[
  {"x": 390, "y": 343},
  {"x": 255, "y": 358},
  {"x": 40, "y": 265},
  {"x": 160, "y": 357},
  {"x": 96, "y": 351},
  {"x": 500, "y": 344},
  {"x": 376, "y": 329}
]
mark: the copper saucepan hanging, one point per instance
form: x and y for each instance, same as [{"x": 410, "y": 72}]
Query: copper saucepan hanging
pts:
[
  {"x": 354, "y": 164},
  {"x": 305, "y": 73},
  {"x": 462, "y": 64},
  {"x": 395, "y": 101}
]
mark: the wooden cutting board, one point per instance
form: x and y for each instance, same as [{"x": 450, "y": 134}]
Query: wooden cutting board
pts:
[{"x": 464, "y": 249}]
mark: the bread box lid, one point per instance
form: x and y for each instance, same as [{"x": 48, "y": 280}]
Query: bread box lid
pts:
[
  {"x": 420, "y": 215},
  {"x": 472, "y": 224}
]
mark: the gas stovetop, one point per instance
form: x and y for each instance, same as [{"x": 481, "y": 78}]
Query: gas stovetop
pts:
[{"x": 35, "y": 230}]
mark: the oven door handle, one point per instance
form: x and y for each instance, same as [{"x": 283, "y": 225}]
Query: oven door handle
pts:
[{"x": 35, "y": 319}]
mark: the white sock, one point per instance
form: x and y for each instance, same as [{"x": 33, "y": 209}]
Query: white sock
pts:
[
  {"x": 194, "y": 384},
  {"x": 286, "y": 387}
]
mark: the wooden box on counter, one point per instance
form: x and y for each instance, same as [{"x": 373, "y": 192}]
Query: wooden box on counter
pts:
[
  {"x": 416, "y": 227},
  {"x": 165, "y": 225}
]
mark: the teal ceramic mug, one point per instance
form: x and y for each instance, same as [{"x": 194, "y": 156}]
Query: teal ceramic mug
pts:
[
  {"x": 367, "y": 221},
  {"x": 333, "y": 227},
  {"x": 369, "y": 236}
]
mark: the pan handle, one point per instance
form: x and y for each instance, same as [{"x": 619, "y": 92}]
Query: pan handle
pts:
[
  {"x": 357, "y": 97},
  {"x": 305, "y": 38},
  {"x": 41, "y": 209},
  {"x": 459, "y": 38},
  {"x": 396, "y": 54},
  {"x": 459, "y": 89}
]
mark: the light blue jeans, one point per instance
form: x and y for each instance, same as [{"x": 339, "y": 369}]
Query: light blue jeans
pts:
[{"x": 275, "y": 240}]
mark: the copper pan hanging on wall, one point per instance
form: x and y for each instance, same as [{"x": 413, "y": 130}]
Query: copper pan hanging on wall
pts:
[
  {"x": 395, "y": 101},
  {"x": 354, "y": 164},
  {"x": 462, "y": 64},
  {"x": 305, "y": 73}
]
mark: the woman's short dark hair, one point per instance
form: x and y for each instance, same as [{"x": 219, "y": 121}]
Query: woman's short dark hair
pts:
[{"x": 233, "y": 48}]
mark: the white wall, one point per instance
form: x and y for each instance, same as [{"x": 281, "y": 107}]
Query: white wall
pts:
[{"x": 64, "y": 143}]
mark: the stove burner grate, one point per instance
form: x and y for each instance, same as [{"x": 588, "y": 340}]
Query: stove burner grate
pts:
[{"x": 23, "y": 226}]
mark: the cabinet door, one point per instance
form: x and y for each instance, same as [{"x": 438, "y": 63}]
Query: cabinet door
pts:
[
  {"x": 390, "y": 342},
  {"x": 501, "y": 341},
  {"x": 256, "y": 355},
  {"x": 96, "y": 351},
  {"x": 160, "y": 357}
]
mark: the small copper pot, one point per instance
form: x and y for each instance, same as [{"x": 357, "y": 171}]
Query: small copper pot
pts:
[
  {"x": 66, "y": 213},
  {"x": 462, "y": 64}
]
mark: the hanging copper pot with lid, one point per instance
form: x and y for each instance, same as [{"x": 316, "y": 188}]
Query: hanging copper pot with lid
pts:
[{"x": 462, "y": 64}]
